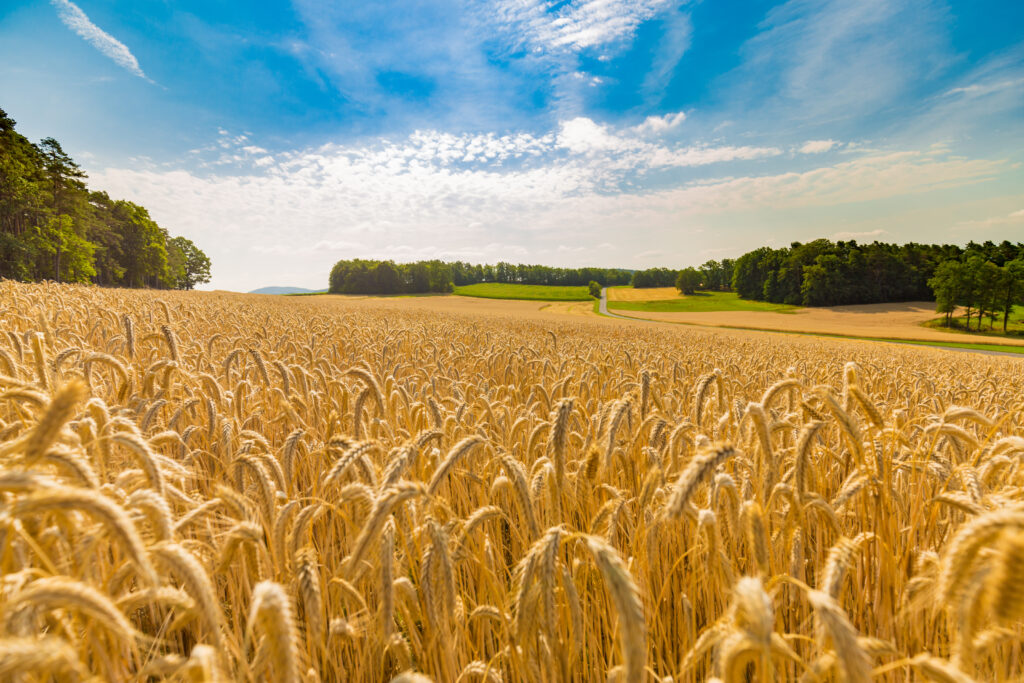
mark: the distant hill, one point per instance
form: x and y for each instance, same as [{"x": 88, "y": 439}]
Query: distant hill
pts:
[{"x": 285, "y": 290}]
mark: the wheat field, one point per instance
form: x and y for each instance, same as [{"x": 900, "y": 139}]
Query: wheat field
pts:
[{"x": 207, "y": 487}]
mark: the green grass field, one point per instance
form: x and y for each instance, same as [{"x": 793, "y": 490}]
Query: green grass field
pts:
[
  {"x": 701, "y": 302},
  {"x": 498, "y": 290}
]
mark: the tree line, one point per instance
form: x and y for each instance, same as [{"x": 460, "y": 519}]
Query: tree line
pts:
[
  {"x": 53, "y": 227},
  {"x": 986, "y": 279},
  {"x": 713, "y": 275},
  {"x": 522, "y": 274},
  {"x": 367, "y": 276},
  {"x": 364, "y": 276}
]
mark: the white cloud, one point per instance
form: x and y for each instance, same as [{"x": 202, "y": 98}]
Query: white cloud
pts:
[
  {"x": 520, "y": 196},
  {"x": 621, "y": 149},
  {"x": 584, "y": 136},
  {"x": 657, "y": 125},
  {"x": 76, "y": 20},
  {"x": 575, "y": 25},
  {"x": 817, "y": 146},
  {"x": 979, "y": 89}
]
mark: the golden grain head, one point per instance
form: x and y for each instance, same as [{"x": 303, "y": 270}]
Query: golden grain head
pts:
[{"x": 215, "y": 487}]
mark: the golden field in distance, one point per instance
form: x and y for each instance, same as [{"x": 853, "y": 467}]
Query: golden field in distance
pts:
[
  {"x": 900, "y": 320},
  {"x": 205, "y": 487},
  {"x": 643, "y": 294}
]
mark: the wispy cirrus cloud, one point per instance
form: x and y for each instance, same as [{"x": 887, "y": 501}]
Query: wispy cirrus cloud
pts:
[
  {"x": 574, "y": 26},
  {"x": 987, "y": 88},
  {"x": 831, "y": 60},
  {"x": 76, "y": 20}
]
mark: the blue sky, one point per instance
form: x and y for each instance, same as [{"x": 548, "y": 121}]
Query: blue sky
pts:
[{"x": 283, "y": 136}]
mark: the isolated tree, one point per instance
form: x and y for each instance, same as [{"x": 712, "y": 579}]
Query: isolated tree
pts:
[
  {"x": 688, "y": 280},
  {"x": 595, "y": 289}
]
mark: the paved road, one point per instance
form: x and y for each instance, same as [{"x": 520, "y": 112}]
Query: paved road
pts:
[{"x": 603, "y": 308}]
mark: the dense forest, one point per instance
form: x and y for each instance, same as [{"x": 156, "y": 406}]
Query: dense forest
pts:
[
  {"x": 53, "y": 227},
  {"x": 827, "y": 273},
  {"x": 361, "y": 276}
]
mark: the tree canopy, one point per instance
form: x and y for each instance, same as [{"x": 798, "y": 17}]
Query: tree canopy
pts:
[
  {"x": 689, "y": 280},
  {"x": 362, "y": 276},
  {"x": 53, "y": 227},
  {"x": 522, "y": 274},
  {"x": 985, "y": 279},
  {"x": 981, "y": 286},
  {"x": 716, "y": 275}
]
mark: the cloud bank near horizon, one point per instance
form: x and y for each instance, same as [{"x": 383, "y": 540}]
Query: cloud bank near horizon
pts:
[{"x": 569, "y": 196}]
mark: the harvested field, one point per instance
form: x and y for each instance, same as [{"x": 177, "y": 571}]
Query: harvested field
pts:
[
  {"x": 643, "y": 294},
  {"x": 207, "y": 487},
  {"x": 575, "y": 308},
  {"x": 466, "y": 305},
  {"x": 895, "y": 321}
]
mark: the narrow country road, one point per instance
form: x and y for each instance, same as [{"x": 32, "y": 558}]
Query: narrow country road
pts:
[{"x": 603, "y": 309}]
